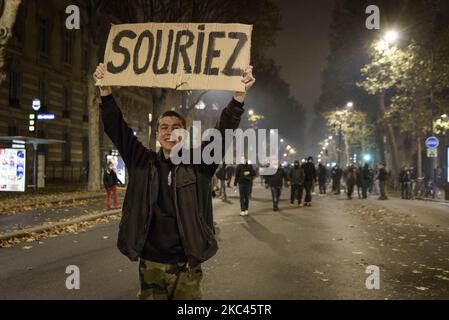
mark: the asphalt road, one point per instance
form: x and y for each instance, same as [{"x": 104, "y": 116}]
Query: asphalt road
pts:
[{"x": 320, "y": 252}]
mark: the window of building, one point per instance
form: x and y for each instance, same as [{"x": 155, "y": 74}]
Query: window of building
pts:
[
  {"x": 44, "y": 37},
  {"x": 67, "y": 101},
  {"x": 67, "y": 46},
  {"x": 86, "y": 59},
  {"x": 43, "y": 94},
  {"x": 86, "y": 109},
  {"x": 85, "y": 147},
  {"x": 14, "y": 88},
  {"x": 13, "y": 130},
  {"x": 66, "y": 149}
]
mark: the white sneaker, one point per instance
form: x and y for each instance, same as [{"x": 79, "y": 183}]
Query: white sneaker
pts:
[
  {"x": 243, "y": 213},
  {"x": 246, "y": 212}
]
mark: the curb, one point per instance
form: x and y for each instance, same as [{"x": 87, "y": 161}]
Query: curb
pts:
[{"x": 41, "y": 228}]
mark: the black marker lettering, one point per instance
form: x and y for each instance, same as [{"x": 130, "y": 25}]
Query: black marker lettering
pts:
[
  {"x": 183, "y": 50},
  {"x": 228, "y": 69},
  {"x": 199, "y": 50},
  {"x": 212, "y": 53},
  {"x": 157, "y": 53},
  {"x": 146, "y": 34},
  {"x": 116, "y": 47}
]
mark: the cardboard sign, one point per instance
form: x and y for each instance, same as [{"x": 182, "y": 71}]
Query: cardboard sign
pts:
[{"x": 182, "y": 56}]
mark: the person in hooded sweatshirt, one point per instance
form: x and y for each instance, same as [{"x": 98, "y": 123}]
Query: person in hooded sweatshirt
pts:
[
  {"x": 309, "y": 180},
  {"x": 296, "y": 178},
  {"x": 275, "y": 182}
]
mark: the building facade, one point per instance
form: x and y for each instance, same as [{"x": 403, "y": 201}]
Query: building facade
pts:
[{"x": 45, "y": 60}]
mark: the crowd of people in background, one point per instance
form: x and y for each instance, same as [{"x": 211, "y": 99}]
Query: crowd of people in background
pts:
[{"x": 305, "y": 179}]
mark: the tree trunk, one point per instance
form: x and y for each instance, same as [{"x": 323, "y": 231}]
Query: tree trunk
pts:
[
  {"x": 391, "y": 138},
  {"x": 419, "y": 156},
  {"x": 94, "y": 131},
  {"x": 7, "y": 20}
]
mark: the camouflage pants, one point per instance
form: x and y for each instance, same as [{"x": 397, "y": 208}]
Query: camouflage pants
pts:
[{"x": 160, "y": 281}]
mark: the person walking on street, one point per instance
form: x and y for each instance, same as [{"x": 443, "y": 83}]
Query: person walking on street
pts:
[
  {"x": 366, "y": 180},
  {"x": 322, "y": 178},
  {"x": 351, "y": 179},
  {"x": 110, "y": 182},
  {"x": 382, "y": 177},
  {"x": 309, "y": 180},
  {"x": 167, "y": 217},
  {"x": 230, "y": 170},
  {"x": 404, "y": 181},
  {"x": 296, "y": 178},
  {"x": 336, "y": 174},
  {"x": 276, "y": 182},
  {"x": 359, "y": 181},
  {"x": 222, "y": 177},
  {"x": 243, "y": 177}
]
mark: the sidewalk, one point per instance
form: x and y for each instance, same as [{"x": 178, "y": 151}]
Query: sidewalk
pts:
[
  {"x": 22, "y": 214},
  {"x": 11, "y": 202}
]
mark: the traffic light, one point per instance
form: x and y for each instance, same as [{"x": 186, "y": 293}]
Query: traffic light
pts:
[{"x": 31, "y": 124}]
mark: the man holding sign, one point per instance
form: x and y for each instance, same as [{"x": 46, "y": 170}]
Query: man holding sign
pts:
[{"x": 167, "y": 219}]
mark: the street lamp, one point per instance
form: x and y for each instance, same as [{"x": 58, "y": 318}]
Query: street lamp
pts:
[
  {"x": 391, "y": 36},
  {"x": 251, "y": 112}
]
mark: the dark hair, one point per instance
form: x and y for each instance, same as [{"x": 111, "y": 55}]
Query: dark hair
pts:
[{"x": 172, "y": 113}]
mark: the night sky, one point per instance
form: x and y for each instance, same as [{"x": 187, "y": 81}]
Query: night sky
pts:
[{"x": 302, "y": 46}]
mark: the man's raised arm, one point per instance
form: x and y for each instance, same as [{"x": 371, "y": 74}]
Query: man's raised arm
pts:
[{"x": 129, "y": 147}]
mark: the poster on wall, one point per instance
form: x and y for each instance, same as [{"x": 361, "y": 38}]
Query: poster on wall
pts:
[
  {"x": 12, "y": 170},
  {"x": 119, "y": 166}
]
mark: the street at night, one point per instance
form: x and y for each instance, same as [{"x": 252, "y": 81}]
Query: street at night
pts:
[{"x": 320, "y": 252}]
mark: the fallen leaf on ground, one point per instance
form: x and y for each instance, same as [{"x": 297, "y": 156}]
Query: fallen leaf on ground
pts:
[{"x": 422, "y": 288}]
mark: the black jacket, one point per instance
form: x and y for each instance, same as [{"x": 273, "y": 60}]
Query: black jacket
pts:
[
  {"x": 296, "y": 175},
  {"x": 110, "y": 179},
  {"x": 276, "y": 180},
  {"x": 309, "y": 172},
  {"x": 322, "y": 174},
  {"x": 239, "y": 174},
  {"x": 222, "y": 173},
  {"x": 191, "y": 185}
]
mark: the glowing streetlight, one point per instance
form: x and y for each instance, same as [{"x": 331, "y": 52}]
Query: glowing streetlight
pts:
[
  {"x": 331, "y": 137},
  {"x": 391, "y": 36},
  {"x": 350, "y": 105},
  {"x": 367, "y": 157},
  {"x": 444, "y": 116},
  {"x": 251, "y": 112},
  {"x": 282, "y": 140}
]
